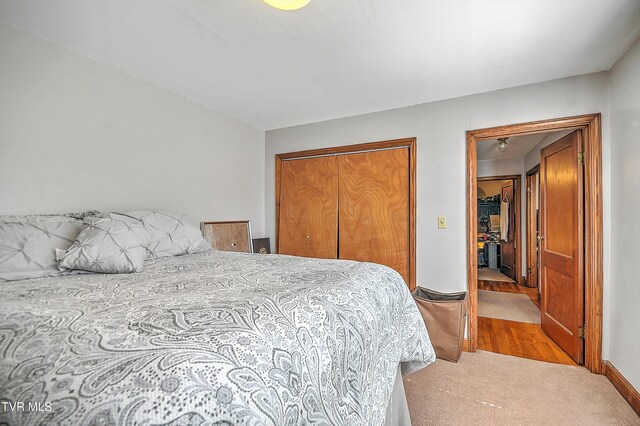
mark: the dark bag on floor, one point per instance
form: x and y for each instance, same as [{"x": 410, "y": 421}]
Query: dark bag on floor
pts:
[{"x": 445, "y": 315}]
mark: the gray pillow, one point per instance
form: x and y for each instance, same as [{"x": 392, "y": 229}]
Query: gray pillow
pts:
[
  {"x": 170, "y": 234},
  {"x": 28, "y": 247},
  {"x": 106, "y": 245}
]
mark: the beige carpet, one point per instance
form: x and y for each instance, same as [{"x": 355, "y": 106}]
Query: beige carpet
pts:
[
  {"x": 507, "y": 306},
  {"x": 492, "y": 389},
  {"x": 485, "y": 274}
]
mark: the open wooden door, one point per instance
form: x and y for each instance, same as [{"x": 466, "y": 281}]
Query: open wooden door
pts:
[
  {"x": 562, "y": 243},
  {"x": 508, "y": 244}
]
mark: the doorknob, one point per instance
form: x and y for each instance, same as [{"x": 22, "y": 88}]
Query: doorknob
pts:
[
  {"x": 308, "y": 237},
  {"x": 540, "y": 237}
]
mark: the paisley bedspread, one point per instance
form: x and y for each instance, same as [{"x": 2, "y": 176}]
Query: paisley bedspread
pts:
[{"x": 222, "y": 338}]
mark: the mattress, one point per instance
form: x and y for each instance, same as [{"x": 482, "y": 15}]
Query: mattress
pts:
[{"x": 198, "y": 339}]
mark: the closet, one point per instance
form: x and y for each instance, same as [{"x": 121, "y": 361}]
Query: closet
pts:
[{"x": 355, "y": 202}]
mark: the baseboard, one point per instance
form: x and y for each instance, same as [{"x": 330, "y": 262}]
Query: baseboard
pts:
[{"x": 623, "y": 386}]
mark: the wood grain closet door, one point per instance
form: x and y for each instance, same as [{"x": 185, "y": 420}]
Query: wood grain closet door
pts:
[
  {"x": 308, "y": 224},
  {"x": 374, "y": 208}
]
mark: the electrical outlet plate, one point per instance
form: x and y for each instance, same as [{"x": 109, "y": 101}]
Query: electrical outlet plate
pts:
[{"x": 442, "y": 222}]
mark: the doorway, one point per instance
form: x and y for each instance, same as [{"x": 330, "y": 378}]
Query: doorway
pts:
[
  {"x": 509, "y": 313},
  {"x": 591, "y": 251},
  {"x": 499, "y": 238}
]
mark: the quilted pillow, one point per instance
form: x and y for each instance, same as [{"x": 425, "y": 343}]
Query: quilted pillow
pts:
[
  {"x": 28, "y": 247},
  {"x": 169, "y": 234},
  {"x": 108, "y": 246}
]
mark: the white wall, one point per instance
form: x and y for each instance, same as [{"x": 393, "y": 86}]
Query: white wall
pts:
[
  {"x": 625, "y": 229},
  {"x": 76, "y": 134},
  {"x": 510, "y": 166},
  {"x": 440, "y": 128}
]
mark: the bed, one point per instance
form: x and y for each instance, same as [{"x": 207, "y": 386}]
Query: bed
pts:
[{"x": 210, "y": 338}]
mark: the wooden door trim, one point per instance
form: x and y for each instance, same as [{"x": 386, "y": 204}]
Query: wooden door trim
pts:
[
  {"x": 409, "y": 143},
  {"x": 350, "y": 149},
  {"x": 498, "y": 177},
  {"x": 517, "y": 203},
  {"x": 590, "y": 124},
  {"x": 532, "y": 171}
]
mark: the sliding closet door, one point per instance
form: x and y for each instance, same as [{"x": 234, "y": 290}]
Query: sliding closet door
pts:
[
  {"x": 308, "y": 224},
  {"x": 374, "y": 208}
]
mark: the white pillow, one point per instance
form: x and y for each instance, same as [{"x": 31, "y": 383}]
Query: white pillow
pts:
[
  {"x": 170, "y": 234},
  {"x": 107, "y": 246},
  {"x": 28, "y": 247}
]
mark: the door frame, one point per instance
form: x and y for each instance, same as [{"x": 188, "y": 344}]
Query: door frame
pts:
[
  {"x": 517, "y": 190},
  {"x": 409, "y": 143},
  {"x": 531, "y": 173},
  {"x": 590, "y": 125}
]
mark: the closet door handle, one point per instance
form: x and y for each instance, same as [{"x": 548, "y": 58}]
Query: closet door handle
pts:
[{"x": 308, "y": 237}]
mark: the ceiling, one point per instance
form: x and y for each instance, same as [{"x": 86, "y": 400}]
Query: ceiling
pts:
[
  {"x": 335, "y": 58},
  {"x": 517, "y": 146}
]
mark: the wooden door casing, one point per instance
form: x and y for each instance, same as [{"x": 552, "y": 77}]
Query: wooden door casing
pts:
[
  {"x": 308, "y": 219},
  {"x": 508, "y": 248},
  {"x": 562, "y": 243},
  {"x": 591, "y": 126},
  {"x": 374, "y": 208}
]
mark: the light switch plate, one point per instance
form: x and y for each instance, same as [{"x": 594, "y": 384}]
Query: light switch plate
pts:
[{"x": 442, "y": 222}]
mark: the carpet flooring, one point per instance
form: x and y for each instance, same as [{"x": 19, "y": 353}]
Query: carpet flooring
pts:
[
  {"x": 485, "y": 274},
  {"x": 484, "y": 388},
  {"x": 507, "y": 306}
]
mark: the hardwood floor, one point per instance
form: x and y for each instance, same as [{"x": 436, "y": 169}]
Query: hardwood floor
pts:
[{"x": 519, "y": 339}]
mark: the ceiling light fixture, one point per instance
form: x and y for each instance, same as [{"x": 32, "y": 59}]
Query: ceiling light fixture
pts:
[
  {"x": 502, "y": 144},
  {"x": 287, "y": 4}
]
